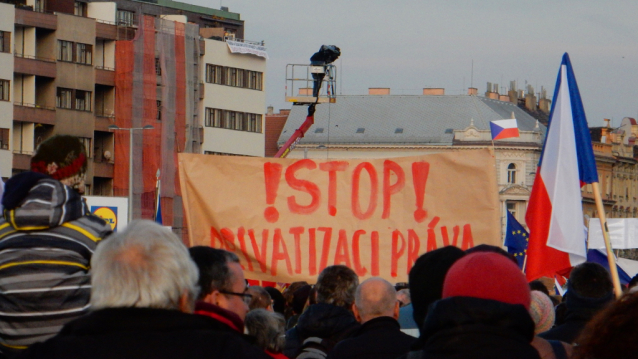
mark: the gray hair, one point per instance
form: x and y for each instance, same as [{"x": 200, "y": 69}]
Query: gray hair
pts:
[
  {"x": 268, "y": 328},
  {"x": 336, "y": 285},
  {"x": 375, "y": 297},
  {"x": 143, "y": 266}
]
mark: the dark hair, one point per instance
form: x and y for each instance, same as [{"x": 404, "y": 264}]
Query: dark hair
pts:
[
  {"x": 299, "y": 298},
  {"x": 66, "y": 151},
  {"x": 633, "y": 282},
  {"x": 491, "y": 249},
  {"x": 261, "y": 298},
  {"x": 539, "y": 286},
  {"x": 278, "y": 299},
  {"x": 590, "y": 280},
  {"x": 288, "y": 297},
  {"x": 612, "y": 332},
  {"x": 214, "y": 273},
  {"x": 336, "y": 285}
]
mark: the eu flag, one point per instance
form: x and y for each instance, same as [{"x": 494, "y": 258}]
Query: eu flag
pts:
[{"x": 516, "y": 238}]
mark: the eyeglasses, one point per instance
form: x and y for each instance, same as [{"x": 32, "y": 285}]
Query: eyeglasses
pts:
[{"x": 246, "y": 297}]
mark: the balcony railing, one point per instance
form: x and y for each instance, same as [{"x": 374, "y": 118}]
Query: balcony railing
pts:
[
  {"x": 24, "y": 104},
  {"x": 46, "y": 59}
]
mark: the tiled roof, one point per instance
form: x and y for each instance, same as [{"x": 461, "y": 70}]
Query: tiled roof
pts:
[{"x": 423, "y": 119}]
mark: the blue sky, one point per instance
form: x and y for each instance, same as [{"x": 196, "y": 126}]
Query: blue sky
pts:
[{"x": 410, "y": 44}]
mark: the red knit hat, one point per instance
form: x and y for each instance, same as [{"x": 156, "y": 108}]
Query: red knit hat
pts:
[{"x": 487, "y": 276}]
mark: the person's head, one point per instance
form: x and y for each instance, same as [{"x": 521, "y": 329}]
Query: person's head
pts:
[
  {"x": 278, "y": 301},
  {"x": 590, "y": 280},
  {"x": 541, "y": 310},
  {"x": 143, "y": 266},
  {"x": 268, "y": 328},
  {"x": 539, "y": 286},
  {"x": 403, "y": 296},
  {"x": 221, "y": 279},
  {"x": 487, "y": 275},
  {"x": 288, "y": 296},
  {"x": 261, "y": 299},
  {"x": 62, "y": 157},
  {"x": 336, "y": 285},
  {"x": 426, "y": 279},
  {"x": 375, "y": 297},
  {"x": 299, "y": 298},
  {"x": 612, "y": 332},
  {"x": 491, "y": 249}
]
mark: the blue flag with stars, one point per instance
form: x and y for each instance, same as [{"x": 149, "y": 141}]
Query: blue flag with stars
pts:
[{"x": 516, "y": 238}]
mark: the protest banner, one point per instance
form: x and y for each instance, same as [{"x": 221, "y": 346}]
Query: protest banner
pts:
[{"x": 287, "y": 219}]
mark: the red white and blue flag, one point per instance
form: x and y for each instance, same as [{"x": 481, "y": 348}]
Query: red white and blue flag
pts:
[
  {"x": 555, "y": 212},
  {"x": 504, "y": 129}
]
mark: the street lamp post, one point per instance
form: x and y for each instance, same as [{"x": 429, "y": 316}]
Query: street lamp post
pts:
[{"x": 130, "y": 164}]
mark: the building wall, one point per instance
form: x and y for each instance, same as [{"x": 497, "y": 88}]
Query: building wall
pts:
[
  {"x": 7, "y": 15},
  {"x": 221, "y": 140}
]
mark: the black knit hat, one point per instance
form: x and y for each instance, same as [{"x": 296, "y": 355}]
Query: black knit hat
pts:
[{"x": 427, "y": 276}]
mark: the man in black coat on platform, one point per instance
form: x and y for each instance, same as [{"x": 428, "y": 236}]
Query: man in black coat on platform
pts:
[
  {"x": 144, "y": 286},
  {"x": 380, "y": 337}
]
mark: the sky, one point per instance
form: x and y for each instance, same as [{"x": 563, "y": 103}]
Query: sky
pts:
[{"x": 408, "y": 45}]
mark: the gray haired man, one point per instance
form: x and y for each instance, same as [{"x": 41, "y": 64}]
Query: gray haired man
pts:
[
  {"x": 144, "y": 287},
  {"x": 377, "y": 308}
]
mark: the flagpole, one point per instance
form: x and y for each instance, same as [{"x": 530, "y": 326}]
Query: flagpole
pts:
[{"x": 610, "y": 253}]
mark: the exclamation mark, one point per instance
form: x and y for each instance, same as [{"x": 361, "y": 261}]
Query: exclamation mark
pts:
[
  {"x": 272, "y": 175},
  {"x": 420, "y": 172}
]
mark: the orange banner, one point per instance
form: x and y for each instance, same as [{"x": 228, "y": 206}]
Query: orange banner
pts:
[{"x": 287, "y": 219}]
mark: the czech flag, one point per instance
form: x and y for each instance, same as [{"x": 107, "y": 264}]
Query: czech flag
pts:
[
  {"x": 555, "y": 212},
  {"x": 504, "y": 129}
]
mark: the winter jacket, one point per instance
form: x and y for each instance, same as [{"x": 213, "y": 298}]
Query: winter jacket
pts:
[
  {"x": 320, "y": 320},
  {"x": 143, "y": 333},
  {"x": 379, "y": 338},
  {"x": 580, "y": 310},
  {"x": 47, "y": 238},
  {"x": 464, "y": 327}
]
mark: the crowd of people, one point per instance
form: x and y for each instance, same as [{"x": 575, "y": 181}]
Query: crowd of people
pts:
[{"x": 71, "y": 289}]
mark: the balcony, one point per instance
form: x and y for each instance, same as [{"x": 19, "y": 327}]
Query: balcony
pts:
[
  {"x": 102, "y": 168},
  {"x": 28, "y": 112},
  {"x": 21, "y": 161},
  {"x": 104, "y": 76},
  {"x": 31, "y": 65},
  {"x": 36, "y": 19},
  {"x": 103, "y": 121},
  {"x": 104, "y": 30}
]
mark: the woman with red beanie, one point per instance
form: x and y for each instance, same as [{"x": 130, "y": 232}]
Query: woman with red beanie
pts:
[{"x": 483, "y": 313}]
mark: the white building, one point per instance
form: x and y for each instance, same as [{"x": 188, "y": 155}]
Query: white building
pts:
[{"x": 234, "y": 98}]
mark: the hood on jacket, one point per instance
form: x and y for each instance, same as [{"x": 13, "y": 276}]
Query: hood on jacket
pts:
[
  {"x": 34, "y": 201},
  {"x": 325, "y": 321},
  {"x": 584, "y": 308}
]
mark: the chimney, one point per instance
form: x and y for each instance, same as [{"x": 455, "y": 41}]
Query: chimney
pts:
[
  {"x": 504, "y": 98},
  {"x": 433, "y": 91},
  {"x": 607, "y": 122},
  {"x": 284, "y": 111},
  {"x": 472, "y": 91},
  {"x": 270, "y": 111},
  {"x": 378, "y": 91},
  {"x": 492, "y": 91}
]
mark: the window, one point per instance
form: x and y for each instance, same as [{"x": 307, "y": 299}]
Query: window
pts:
[
  {"x": 511, "y": 173},
  {"x": 40, "y": 5},
  {"x": 240, "y": 121},
  {"x": 87, "y": 142},
  {"x": 125, "y": 18},
  {"x": 4, "y": 138},
  {"x": 231, "y": 76},
  {"x": 214, "y": 74},
  {"x": 82, "y": 100},
  {"x": 5, "y": 86},
  {"x": 230, "y": 119},
  {"x": 159, "y": 110},
  {"x": 254, "y": 123},
  {"x": 511, "y": 206},
  {"x": 158, "y": 67},
  {"x": 83, "y": 53},
  {"x": 5, "y": 41},
  {"x": 79, "y": 9},
  {"x": 64, "y": 98},
  {"x": 65, "y": 51},
  {"x": 254, "y": 80}
]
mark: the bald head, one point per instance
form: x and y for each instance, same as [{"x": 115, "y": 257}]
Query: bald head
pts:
[{"x": 375, "y": 297}]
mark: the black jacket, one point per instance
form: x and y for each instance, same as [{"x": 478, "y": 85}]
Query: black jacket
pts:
[
  {"x": 320, "y": 320},
  {"x": 464, "y": 327},
  {"x": 580, "y": 310},
  {"x": 143, "y": 333},
  {"x": 379, "y": 338}
]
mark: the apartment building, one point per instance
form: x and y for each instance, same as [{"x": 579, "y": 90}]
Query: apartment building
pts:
[
  {"x": 234, "y": 101},
  {"x": 80, "y": 68}
]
